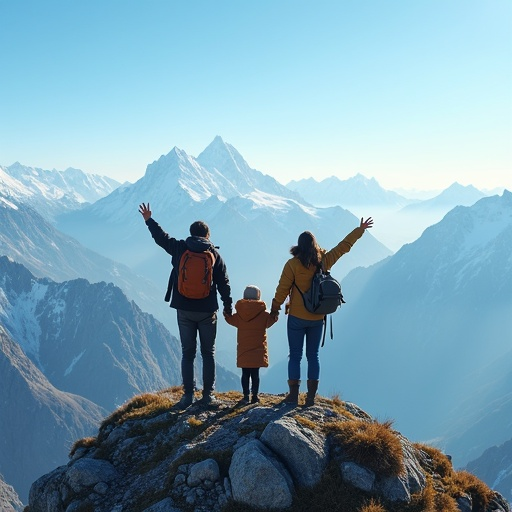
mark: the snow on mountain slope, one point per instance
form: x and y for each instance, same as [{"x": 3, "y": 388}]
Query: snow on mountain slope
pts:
[
  {"x": 51, "y": 192},
  {"x": 181, "y": 190}
]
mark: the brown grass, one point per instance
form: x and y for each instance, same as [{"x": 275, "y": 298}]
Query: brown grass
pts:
[
  {"x": 372, "y": 444},
  {"x": 306, "y": 422},
  {"x": 145, "y": 405},
  {"x": 86, "y": 442},
  {"x": 454, "y": 484},
  {"x": 372, "y": 506},
  {"x": 467, "y": 483},
  {"x": 441, "y": 464}
]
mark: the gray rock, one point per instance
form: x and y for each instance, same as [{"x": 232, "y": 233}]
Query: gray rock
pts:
[
  {"x": 85, "y": 473},
  {"x": 413, "y": 480},
  {"x": 258, "y": 478},
  {"x": 395, "y": 488},
  {"x": 358, "y": 476},
  {"x": 465, "y": 503},
  {"x": 205, "y": 470},
  {"x": 166, "y": 505},
  {"x": 304, "y": 451}
]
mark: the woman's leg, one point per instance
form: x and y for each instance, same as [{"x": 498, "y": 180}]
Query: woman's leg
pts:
[
  {"x": 296, "y": 333},
  {"x": 313, "y": 338}
]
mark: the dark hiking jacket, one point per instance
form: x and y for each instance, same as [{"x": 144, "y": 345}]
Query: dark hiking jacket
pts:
[{"x": 176, "y": 248}]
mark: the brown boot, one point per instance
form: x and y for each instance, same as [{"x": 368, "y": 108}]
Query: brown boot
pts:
[
  {"x": 293, "y": 396},
  {"x": 312, "y": 388}
]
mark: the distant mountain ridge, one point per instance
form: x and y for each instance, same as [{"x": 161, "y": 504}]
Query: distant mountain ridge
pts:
[
  {"x": 37, "y": 421},
  {"x": 51, "y": 192},
  {"x": 356, "y": 191},
  {"x": 455, "y": 195},
  {"x": 495, "y": 466},
  {"x": 29, "y": 239},
  {"x": 75, "y": 329},
  {"x": 9, "y": 499}
]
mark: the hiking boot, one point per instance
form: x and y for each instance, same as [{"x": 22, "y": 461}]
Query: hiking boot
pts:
[
  {"x": 312, "y": 389},
  {"x": 245, "y": 399},
  {"x": 293, "y": 396},
  {"x": 255, "y": 399},
  {"x": 186, "y": 401}
]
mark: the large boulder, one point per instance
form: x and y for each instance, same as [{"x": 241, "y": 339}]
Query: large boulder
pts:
[{"x": 259, "y": 479}]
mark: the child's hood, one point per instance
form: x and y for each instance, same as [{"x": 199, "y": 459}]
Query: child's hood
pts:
[{"x": 249, "y": 309}]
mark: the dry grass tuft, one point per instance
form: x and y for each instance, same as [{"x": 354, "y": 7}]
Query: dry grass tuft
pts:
[
  {"x": 306, "y": 422},
  {"x": 145, "y": 405},
  {"x": 441, "y": 464},
  {"x": 86, "y": 442},
  {"x": 372, "y": 506},
  {"x": 453, "y": 484},
  {"x": 194, "y": 422},
  {"x": 467, "y": 483},
  {"x": 372, "y": 444}
]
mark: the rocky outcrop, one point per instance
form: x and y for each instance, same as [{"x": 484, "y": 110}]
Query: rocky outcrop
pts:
[
  {"x": 9, "y": 500},
  {"x": 150, "y": 457}
]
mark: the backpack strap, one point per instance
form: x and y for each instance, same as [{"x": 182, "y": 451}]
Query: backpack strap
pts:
[{"x": 325, "y": 328}]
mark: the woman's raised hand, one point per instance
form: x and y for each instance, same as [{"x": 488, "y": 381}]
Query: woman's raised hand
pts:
[{"x": 368, "y": 223}]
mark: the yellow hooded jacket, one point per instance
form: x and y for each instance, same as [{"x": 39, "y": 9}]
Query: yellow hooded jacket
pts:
[{"x": 295, "y": 271}]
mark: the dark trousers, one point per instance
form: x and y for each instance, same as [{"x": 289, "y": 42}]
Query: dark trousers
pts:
[
  {"x": 252, "y": 374},
  {"x": 190, "y": 323}
]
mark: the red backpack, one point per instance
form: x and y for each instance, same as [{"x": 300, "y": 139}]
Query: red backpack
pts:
[{"x": 195, "y": 274}]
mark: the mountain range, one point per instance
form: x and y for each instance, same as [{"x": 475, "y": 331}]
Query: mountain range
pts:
[
  {"x": 51, "y": 192},
  {"x": 495, "y": 467},
  {"x": 9, "y": 499},
  {"x": 253, "y": 226},
  {"x": 355, "y": 192},
  {"x": 70, "y": 352},
  {"x": 399, "y": 220},
  {"x": 420, "y": 325},
  {"x": 38, "y": 423},
  {"x": 422, "y": 338}
]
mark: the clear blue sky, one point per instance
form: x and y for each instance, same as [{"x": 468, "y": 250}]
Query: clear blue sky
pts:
[{"x": 416, "y": 93}]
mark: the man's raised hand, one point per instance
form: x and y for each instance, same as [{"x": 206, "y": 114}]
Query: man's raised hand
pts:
[{"x": 145, "y": 211}]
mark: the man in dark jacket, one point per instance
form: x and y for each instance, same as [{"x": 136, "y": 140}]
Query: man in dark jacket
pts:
[{"x": 194, "y": 315}]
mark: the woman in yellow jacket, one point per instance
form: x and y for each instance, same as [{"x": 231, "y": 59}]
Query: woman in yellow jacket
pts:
[{"x": 302, "y": 324}]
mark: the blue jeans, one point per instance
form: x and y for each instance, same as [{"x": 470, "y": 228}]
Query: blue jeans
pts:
[
  {"x": 190, "y": 323},
  {"x": 299, "y": 329}
]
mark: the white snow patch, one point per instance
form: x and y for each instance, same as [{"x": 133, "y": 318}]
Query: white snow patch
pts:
[
  {"x": 8, "y": 203},
  {"x": 69, "y": 369}
]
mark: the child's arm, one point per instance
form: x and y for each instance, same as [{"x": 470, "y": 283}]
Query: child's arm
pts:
[
  {"x": 271, "y": 319},
  {"x": 232, "y": 319}
]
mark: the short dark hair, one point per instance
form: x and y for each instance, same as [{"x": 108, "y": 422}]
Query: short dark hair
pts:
[{"x": 200, "y": 228}]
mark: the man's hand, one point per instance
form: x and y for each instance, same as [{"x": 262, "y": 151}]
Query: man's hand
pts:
[
  {"x": 368, "y": 223},
  {"x": 145, "y": 211}
]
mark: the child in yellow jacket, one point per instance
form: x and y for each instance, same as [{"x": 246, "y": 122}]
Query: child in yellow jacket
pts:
[{"x": 252, "y": 320}]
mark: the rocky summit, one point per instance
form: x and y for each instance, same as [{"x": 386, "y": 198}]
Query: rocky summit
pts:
[{"x": 229, "y": 456}]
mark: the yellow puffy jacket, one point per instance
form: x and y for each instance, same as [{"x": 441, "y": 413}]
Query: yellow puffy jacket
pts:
[{"x": 294, "y": 270}]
